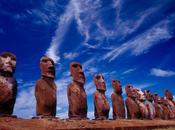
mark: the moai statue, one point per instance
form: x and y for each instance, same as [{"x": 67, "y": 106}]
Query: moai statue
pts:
[
  {"x": 8, "y": 84},
  {"x": 149, "y": 104},
  {"x": 133, "y": 111},
  {"x": 101, "y": 104},
  {"x": 45, "y": 89},
  {"x": 140, "y": 99},
  {"x": 117, "y": 101},
  {"x": 158, "y": 106},
  {"x": 76, "y": 93},
  {"x": 166, "y": 110},
  {"x": 170, "y": 102}
]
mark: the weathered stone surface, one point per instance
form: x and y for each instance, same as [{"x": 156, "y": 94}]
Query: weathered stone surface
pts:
[
  {"x": 101, "y": 104},
  {"x": 132, "y": 107},
  {"x": 170, "y": 103},
  {"x": 117, "y": 100},
  {"x": 140, "y": 100},
  {"x": 149, "y": 104},
  {"x": 76, "y": 93},
  {"x": 45, "y": 89},
  {"x": 158, "y": 106},
  {"x": 8, "y": 84},
  {"x": 54, "y": 124}
]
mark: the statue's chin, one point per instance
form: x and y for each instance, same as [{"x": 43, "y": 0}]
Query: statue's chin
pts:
[
  {"x": 7, "y": 71},
  {"x": 101, "y": 89},
  {"x": 48, "y": 76},
  {"x": 80, "y": 82}
]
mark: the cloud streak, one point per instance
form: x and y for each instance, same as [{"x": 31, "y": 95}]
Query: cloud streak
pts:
[
  {"x": 63, "y": 26},
  {"x": 141, "y": 43},
  {"x": 161, "y": 73}
]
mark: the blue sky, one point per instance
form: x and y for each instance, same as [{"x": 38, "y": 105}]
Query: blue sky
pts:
[{"x": 129, "y": 40}]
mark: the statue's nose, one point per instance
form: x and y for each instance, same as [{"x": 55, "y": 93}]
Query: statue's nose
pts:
[{"x": 8, "y": 61}]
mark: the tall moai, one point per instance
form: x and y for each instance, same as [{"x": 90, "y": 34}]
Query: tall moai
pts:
[
  {"x": 8, "y": 84},
  {"x": 101, "y": 103},
  {"x": 45, "y": 89},
  {"x": 117, "y": 100},
  {"x": 76, "y": 93}
]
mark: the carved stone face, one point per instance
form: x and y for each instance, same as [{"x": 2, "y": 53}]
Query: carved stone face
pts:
[
  {"x": 47, "y": 67},
  {"x": 99, "y": 82},
  {"x": 157, "y": 98},
  {"x": 168, "y": 94},
  {"x": 130, "y": 91},
  {"x": 149, "y": 96},
  {"x": 117, "y": 87},
  {"x": 140, "y": 94},
  {"x": 7, "y": 62},
  {"x": 77, "y": 73}
]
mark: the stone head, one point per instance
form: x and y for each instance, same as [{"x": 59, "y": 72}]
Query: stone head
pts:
[
  {"x": 100, "y": 82},
  {"x": 148, "y": 95},
  {"x": 77, "y": 73},
  {"x": 157, "y": 98},
  {"x": 47, "y": 67},
  {"x": 168, "y": 94},
  {"x": 7, "y": 63},
  {"x": 140, "y": 94},
  {"x": 130, "y": 91},
  {"x": 117, "y": 86}
]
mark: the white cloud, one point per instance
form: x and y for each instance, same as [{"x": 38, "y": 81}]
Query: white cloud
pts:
[
  {"x": 129, "y": 71},
  {"x": 63, "y": 26},
  {"x": 70, "y": 55},
  {"x": 143, "y": 42},
  {"x": 90, "y": 88},
  {"x": 25, "y": 103},
  {"x": 143, "y": 85},
  {"x": 161, "y": 73}
]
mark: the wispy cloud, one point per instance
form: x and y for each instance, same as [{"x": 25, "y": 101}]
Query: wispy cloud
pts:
[
  {"x": 25, "y": 104},
  {"x": 161, "y": 73},
  {"x": 70, "y": 55},
  {"x": 63, "y": 26},
  {"x": 143, "y": 85},
  {"x": 129, "y": 71},
  {"x": 143, "y": 42}
]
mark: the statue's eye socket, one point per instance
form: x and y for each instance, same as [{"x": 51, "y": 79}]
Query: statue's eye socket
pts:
[
  {"x": 97, "y": 77},
  {"x": 113, "y": 81},
  {"x": 4, "y": 56},
  {"x": 75, "y": 65},
  {"x": 44, "y": 60}
]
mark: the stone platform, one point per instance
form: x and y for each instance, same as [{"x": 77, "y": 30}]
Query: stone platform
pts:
[{"x": 8, "y": 123}]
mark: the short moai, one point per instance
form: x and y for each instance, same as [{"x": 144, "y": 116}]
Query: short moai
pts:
[
  {"x": 133, "y": 111},
  {"x": 117, "y": 100},
  {"x": 149, "y": 104},
  {"x": 158, "y": 106},
  {"x": 76, "y": 93},
  {"x": 8, "y": 84},
  {"x": 45, "y": 90},
  {"x": 101, "y": 103},
  {"x": 170, "y": 103},
  {"x": 140, "y": 100}
]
